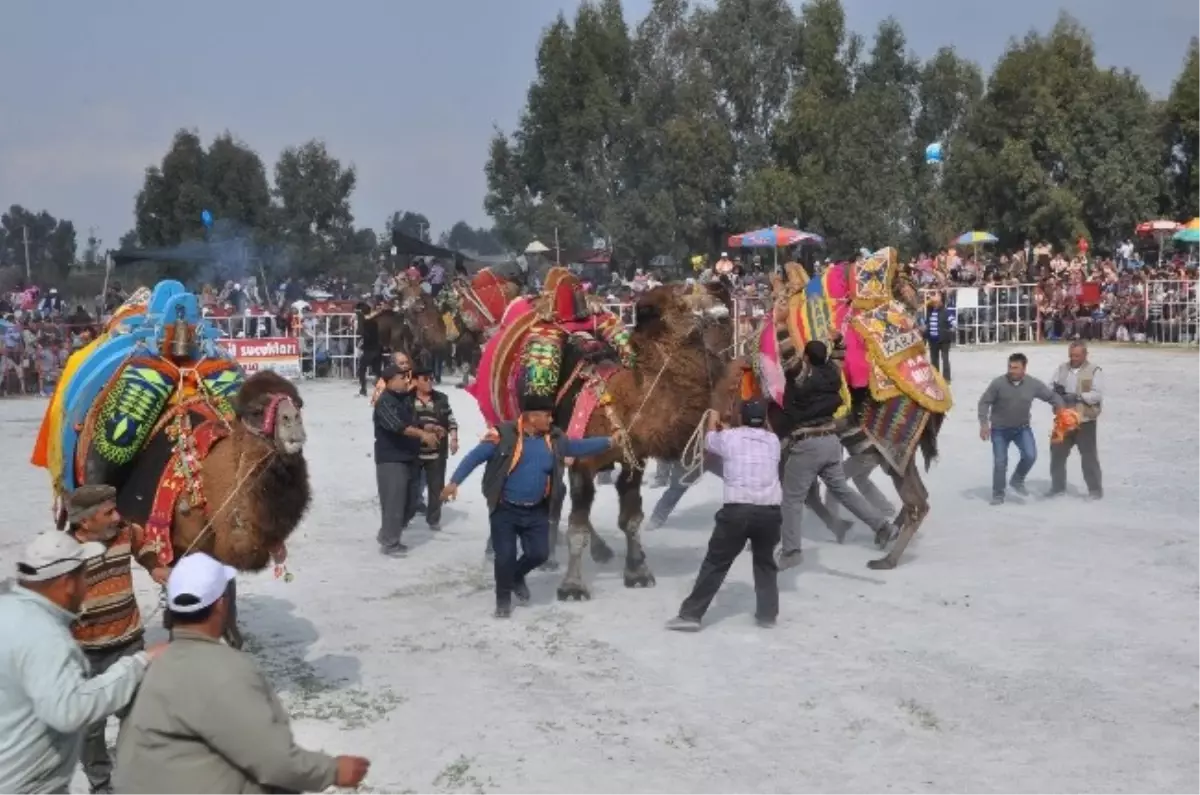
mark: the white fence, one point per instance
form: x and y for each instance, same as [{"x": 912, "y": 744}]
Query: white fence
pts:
[{"x": 329, "y": 345}]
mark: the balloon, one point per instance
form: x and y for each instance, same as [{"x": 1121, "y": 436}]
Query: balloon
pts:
[
  {"x": 206, "y": 218},
  {"x": 933, "y": 153}
]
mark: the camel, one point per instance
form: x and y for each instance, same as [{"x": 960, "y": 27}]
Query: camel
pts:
[
  {"x": 658, "y": 406},
  {"x": 202, "y": 458},
  {"x": 865, "y": 451}
]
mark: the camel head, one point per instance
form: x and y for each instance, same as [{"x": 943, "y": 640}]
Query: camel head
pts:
[{"x": 269, "y": 406}]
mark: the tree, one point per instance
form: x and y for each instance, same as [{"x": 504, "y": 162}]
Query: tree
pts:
[
  {"x": 412, "y": 224},
  {"x": 51, "y": 243},
  {"x": 1181, "y": 134},
  {"x": 228, "y": 179},
  {"x": 313, "y": 189},
  {"x": 462, "y": 237}
]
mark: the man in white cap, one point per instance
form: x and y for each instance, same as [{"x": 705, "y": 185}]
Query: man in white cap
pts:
[
  {"x": 47, "y": 700},
  {"x": 206, "y": 719}
]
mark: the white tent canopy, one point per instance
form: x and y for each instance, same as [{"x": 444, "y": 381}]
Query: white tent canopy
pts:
[{"x": 536, "y": 247}]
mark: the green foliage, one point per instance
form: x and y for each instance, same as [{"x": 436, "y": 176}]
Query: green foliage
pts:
[
  {"x": 737, "y": 114},
  {"x": 51, "y": 244}
]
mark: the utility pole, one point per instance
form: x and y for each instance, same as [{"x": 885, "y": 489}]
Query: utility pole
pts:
[{"x": 25, "y": 234}]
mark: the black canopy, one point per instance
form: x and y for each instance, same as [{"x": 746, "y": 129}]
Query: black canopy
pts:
[{"x": 415, "y": 247}]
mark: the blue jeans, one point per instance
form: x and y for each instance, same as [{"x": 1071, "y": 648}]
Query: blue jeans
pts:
[
  {"x": 1026, "y": 446},
  {"x": 530, "y": 524},
  {"x": 677, "y": 487}
]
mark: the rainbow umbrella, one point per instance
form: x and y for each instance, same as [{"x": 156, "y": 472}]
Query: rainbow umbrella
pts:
[
  {"x": 1190, "y": 232},
  {"x": 975, "y": 240},
  {"x": 775, "y": 237}
]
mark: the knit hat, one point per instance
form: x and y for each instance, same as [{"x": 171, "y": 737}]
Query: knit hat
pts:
[
  {"x": 754, "y": 413},
  {"x": 537, "y": 403},
  {"x": 816, "y": 352},
  {"x": 85, "y": 501}
]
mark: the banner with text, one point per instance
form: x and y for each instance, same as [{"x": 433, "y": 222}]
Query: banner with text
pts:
[{"x": 281, "y": 354}]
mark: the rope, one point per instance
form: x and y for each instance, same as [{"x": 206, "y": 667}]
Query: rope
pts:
[
  {"x": 208, "y": 525},
  {"x": 692, "y": 459}
]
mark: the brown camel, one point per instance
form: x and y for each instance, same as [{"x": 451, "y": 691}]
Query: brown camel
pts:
[
  {"x": 254, "y": 482},
  {"x": 659, "y": 406}
]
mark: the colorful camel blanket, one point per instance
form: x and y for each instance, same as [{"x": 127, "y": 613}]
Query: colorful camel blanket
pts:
[
  {"x": 895, "y": 427},
  {"x": 884, "y": 347},
  {"x": 180, "y": 479}
]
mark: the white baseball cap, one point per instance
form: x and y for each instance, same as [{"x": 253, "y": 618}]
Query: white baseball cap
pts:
[
  {"x": 53, "y": 554},
  {"x": 196, "y": 582}
]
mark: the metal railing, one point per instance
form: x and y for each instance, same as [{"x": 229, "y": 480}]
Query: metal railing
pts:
[{"x": 329, "y": 345}]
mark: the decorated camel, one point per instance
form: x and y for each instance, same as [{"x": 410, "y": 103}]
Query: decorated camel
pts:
[
  {"x": 895, "y": 400},
  {"x": 413, "y": 325},
  {"x": 202, "y": 457},
  {"x": 476, "y": 307},
  {"x": 653, "y": 384}
]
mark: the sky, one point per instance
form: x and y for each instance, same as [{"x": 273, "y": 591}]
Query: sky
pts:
[{"x": 408, "y": 92}]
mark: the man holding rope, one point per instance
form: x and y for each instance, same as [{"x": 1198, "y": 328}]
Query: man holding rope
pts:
[{"x": 110, "y": 626}]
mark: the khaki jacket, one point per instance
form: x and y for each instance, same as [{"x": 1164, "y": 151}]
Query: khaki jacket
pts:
[{"x": 206, "y": 720}]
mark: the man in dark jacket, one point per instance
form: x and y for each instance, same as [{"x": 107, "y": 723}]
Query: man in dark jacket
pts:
[
  {"x": 398, "y": 441},
  {"x": 939, "y": 333},
  {"x": 522, "y": 479},
  {"x": 813, "y": 450}
]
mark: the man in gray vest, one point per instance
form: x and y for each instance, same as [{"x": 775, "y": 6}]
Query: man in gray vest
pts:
[{"x": 1078, "y": 382}]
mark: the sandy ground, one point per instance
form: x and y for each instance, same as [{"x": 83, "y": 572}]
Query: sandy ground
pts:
[{"x": 1037, "y": 646}]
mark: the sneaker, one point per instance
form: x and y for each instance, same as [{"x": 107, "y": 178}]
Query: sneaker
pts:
[
  {"x": 503, "y": 611},
  {"x": 521, "y": 593},
  {"x": 788, "y": 560},
  {"x": 997, "y": 499},
  {"x": 764, "y": 623},
  {"x": 653, "y": 523},
  {"x": 435, "y": 527},
  {"x": 1019, "y": 487},
  {"x": 1096, "y": 495},
  {"x": 840, "y": 528},
  {"x": 681, "y": 624},
  {"x": 1055, "y": 493},
  {"x": 396, "y": 551}
]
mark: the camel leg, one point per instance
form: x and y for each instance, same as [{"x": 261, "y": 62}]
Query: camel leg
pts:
[
  {"x": 231, "y": 634},
  {"x": 629, "y": 519},
  {"x": 579, "y": 531},
  {"x": 915, "y": 496},
  {"x": 556, "y": 506}
]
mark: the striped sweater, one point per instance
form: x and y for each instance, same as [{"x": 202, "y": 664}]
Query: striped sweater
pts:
[{"x": 110, "y": 615}]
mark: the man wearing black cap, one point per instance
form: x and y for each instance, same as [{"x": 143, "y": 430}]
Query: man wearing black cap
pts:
[
  {"x": 750, "y": 468},
  {"x": 814, "y": 450},
  {"x": 522, "y": 479},
  {"x": 398, "y": 441}
]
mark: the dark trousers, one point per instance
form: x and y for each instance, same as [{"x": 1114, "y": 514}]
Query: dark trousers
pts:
[
  {"x": 939, "y": 356},
  {"x": 737, "y": 522},
  {"x": 530, "y": 524},
  {"x": 1083, "y": 437},
  {"x": 97, "y": 764},
  {"x": 397, "y": 484},
  {"x": 430, "y": 475}
]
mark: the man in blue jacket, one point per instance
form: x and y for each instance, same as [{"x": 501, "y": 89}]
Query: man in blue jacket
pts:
[{"x": 522, "y": 479}]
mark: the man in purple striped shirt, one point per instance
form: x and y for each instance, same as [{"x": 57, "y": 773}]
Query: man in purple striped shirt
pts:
[{"x": 750, "y": 464}]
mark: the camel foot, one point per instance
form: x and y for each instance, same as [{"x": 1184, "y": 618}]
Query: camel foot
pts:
[
  {"x": 573, "y": 591},
  {"x": 550, "y": 565},
  {"x": 641, "y": 577},
  {"x": 883, "y": 564},
  {"x": 886, "y": 534},
  {"x": 601, "y": 551}
]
